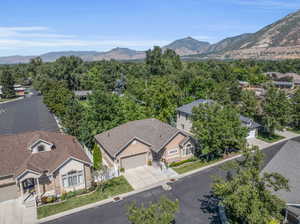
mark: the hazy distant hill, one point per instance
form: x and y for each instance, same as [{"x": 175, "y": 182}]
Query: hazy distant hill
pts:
[
  {"x": 280, "y": 40},
  {"x": 188, "y": 46}
]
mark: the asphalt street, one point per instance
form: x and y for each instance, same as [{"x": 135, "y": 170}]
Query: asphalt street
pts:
[
  {"x": 28, "y": 114},
  {"x": 196, "y": 204}
]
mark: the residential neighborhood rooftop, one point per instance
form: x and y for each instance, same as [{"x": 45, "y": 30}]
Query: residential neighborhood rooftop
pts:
[
  {"x": 150, "y": 131},
  {"x": 286, "y": 162},
  {"x": 15, "y": 156}
]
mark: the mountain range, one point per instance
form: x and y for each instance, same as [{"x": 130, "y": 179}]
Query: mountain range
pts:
[{"x": 280, "y": 40}]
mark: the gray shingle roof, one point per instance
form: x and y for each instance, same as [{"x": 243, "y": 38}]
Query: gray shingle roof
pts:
[
  {"x": 287, "y": 163},
  {"x": 249, "y": 122},
  {"x": 151, "y": 131},
  {"x": 187, "y": 109}
]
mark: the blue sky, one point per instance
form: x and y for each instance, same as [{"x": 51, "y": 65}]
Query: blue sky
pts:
[{"x": 31, "y": 27}]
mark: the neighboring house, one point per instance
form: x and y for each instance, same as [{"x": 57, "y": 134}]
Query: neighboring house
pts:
[
  {"x": 290, "y": 77},
  {"x": 184, "y": 121},
  {"x": 19, "y": 90},
  {"x": 48, "y": 163},
  {"x": 286, "y": 162},
  {"x": 136, "y": 143},
  {"x": 284, "y": 84},
  {"x": 82, "y": 94}
]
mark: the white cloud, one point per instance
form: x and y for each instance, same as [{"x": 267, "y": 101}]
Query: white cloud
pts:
[
  {"x": 35, "y": 39},
  {"x": 30, "y": 32},
  {"x": 270, "y": 4}
]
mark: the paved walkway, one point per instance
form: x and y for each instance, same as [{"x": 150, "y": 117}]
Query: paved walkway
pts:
[
  {"x": 14, "y": 212},
  {"x": 145, "y": 176}
]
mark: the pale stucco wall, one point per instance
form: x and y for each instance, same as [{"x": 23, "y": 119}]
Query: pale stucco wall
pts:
[
  {"x": 174, "y": 145},
  {"x": 184, "y": 122},
  {"x": 71, "y": 165}
]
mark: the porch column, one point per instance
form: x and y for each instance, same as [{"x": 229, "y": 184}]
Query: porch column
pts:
[
  {"x": 21, "y": 189},
  {"x": 38, "y": 184}
]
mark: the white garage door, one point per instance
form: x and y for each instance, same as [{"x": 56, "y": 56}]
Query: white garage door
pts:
[
  {"x": 134, "y": 161},
  {"x": 251, "y": 134}
]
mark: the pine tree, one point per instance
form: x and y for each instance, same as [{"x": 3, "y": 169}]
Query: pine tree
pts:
[
  {"x": 97, "y": 157},
  {"x": 7, "y": 82}
]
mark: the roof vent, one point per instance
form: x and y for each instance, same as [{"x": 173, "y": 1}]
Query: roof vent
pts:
[{"x": 108, "y": 134}]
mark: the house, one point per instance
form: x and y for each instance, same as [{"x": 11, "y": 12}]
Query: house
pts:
[
  {"x": 83, "y": 94},
  {"x": 19, "y": 90},
  {"x": 288, "y": 77},
  {"x": 286, "y": 163},
  {"x": 184, "y": 121},
  {"x": 144, "y": 142},
  {"x": 47, "y": 163},
  {"x": 284, "y": 84}
]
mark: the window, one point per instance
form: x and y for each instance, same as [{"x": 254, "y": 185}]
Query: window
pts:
[
  {"x": 173, "y": 151},
  {"x": 72, "y": 179},
  {"x": 41, "y": 148},
  {"x": 189, "y": 149}
]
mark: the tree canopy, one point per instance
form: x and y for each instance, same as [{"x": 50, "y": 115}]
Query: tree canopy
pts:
[
  {"x": 246, "y": 194},
  {"x": 218, "y": 129},
  {"x": 162, "y": 212}
]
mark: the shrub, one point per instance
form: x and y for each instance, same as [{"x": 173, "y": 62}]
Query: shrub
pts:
[
  {"x": 149, "y": 163},
  {"x": 48, "y": 199},
  {"x": 122, "y": 170},
  {"x": 174, "y": 164},
  {"x": 63, "y": 196}
]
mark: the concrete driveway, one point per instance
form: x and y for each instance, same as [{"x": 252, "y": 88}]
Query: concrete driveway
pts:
[
  {"x": 14, "y": 212},
  {"x": 145, "y": 176},
  {"x": 262, "y": 144}
]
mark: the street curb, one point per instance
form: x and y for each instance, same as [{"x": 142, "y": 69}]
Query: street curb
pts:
[
  {"x": 159, "y": 184},
  {"x": 99, "y": 203},
  {"x": 13, "y": 100}
]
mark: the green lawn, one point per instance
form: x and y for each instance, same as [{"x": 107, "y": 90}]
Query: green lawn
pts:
[
  {"x": 193, "y": 166},
  {"x": 270, "y": 139},
  {"x": 114, "y": 187}
]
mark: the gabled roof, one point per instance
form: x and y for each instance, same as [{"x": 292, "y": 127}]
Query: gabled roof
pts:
[
  {"x": 15, "y": 157},
  {"x": 150, "y": 131},
  {"x": 187, "y": 108},
  {"x": 287, "y": 163},
  {"x": 249, "y": 122}
]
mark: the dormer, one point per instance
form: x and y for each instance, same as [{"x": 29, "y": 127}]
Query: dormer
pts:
[{"x": 40, "y": 145}]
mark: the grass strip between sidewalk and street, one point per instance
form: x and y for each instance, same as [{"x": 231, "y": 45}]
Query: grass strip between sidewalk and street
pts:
[
  {"x": 268, "y": 138},
  {"x": 194, "y": 165},
  {"x": 115, "y": 186}
]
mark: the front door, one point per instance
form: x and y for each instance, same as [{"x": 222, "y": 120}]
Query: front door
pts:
[{"x": 28, "y": 184}]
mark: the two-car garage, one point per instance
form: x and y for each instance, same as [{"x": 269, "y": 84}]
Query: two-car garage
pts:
[{"x": 134, "y": 161}]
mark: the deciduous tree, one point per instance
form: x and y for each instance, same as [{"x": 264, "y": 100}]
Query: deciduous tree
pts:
[
  {"x": 246, "y": 194},
  {"x": 218, "y": 129},
  {"x": 162, "y": 212}
]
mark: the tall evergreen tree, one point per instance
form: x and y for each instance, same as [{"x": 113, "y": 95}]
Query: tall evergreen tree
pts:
[
  {"x": 97, "y": 157},
  {"x": 7, "y": 81}
]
